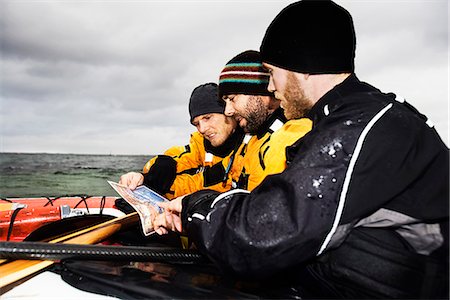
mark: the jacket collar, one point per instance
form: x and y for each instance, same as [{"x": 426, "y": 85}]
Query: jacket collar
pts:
[
  {"x": 332, "y": 98},
  {"x": 228, "y": 146},
  {"x": 271, "y": 124}
]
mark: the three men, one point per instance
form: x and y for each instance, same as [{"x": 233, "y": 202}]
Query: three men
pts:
[{"x": 353, "y": 215}]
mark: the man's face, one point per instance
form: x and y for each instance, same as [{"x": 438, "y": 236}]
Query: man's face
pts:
[
  {"x": 215, "y": 127},
  {"x": 250, "y": 111},
  {"x": 288, "y": 88}
]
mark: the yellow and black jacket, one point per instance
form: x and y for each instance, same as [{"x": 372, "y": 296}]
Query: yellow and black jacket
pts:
[
  {"x": 265, "y": 152},
  {"x": 184, "y": 170},
  {"x": 198, "y": 166}
]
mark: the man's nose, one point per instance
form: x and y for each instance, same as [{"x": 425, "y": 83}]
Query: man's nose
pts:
[
  {"x": 229, "y": 109},
  {"x": 271, "y": 87},
  {"x": 201, "y": 127}
]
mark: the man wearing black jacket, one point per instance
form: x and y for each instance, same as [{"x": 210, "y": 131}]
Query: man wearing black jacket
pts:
[{"x": 362, "y": 209}]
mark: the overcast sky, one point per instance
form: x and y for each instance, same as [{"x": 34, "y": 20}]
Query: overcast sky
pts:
[{"x": 115, "y": 77}]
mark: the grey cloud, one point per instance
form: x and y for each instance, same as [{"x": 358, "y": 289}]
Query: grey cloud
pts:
[
  {"x": 86, "y": 72},
  {"x": 377, "y": 18}
]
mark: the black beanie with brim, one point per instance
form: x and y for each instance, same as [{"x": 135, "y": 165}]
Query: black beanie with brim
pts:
[
  {"x": 205, "y": 100},
  {"x": 311, "y": 37}
]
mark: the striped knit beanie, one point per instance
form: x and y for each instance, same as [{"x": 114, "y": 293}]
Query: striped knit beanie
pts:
[{"x": 244, "y": 74}]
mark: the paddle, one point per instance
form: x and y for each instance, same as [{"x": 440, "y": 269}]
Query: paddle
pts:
[
  {"x": 60, "y": 251},
  {"x": 65, "y": 226},
  {"x": 20, "y": 270}
]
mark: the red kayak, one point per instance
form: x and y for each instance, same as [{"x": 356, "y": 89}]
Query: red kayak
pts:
[{"x": 21, "y": 216}]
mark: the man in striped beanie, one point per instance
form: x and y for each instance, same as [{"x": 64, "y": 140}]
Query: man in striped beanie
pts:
[
  {"x": 243, "y": 86},
  {"x": 244, "y": 74}
]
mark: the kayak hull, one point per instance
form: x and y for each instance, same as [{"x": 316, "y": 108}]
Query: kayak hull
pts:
[{"x": 25, "y": 215}]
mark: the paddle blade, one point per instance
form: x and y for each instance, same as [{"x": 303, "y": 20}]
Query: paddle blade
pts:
[{"x": 63, "y": 227}]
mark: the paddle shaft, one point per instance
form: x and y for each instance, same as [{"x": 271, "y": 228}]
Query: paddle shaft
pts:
[
  {"x": 60, "y": 251},
  {"x": 17, "y": 270}
]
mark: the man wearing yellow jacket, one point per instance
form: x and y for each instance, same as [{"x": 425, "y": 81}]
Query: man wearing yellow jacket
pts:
[
  {"x": 185, "y": 169},
  {"x": 243, "y": 87}
]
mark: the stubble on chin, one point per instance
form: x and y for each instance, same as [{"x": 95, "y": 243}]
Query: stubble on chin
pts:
[
  {"x": 256, "y": 113},
  {"x": 295, "y": 103}
]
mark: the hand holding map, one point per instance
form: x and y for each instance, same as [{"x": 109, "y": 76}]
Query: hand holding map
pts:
[{"x": 144, "y": 201}]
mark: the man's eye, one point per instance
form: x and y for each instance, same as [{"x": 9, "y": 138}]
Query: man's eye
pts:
[{"x": 228, "y": 98}]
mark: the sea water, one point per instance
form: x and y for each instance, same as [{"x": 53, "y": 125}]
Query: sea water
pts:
[{"x": 52, "y": 175}]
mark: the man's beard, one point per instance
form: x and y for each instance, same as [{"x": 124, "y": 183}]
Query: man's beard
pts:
[
  {"x": 296, "y": 104},
  {"x": 256, "y": 114}
]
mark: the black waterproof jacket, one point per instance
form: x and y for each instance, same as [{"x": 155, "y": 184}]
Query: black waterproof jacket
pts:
[{"x": 361, "y": 210}]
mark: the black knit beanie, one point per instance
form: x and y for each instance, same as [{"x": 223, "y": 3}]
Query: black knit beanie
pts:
[
  {"x": 204, "y": 100},
  {"x": 312, "y": 37},
  {"x": 244, "y": 74}
]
